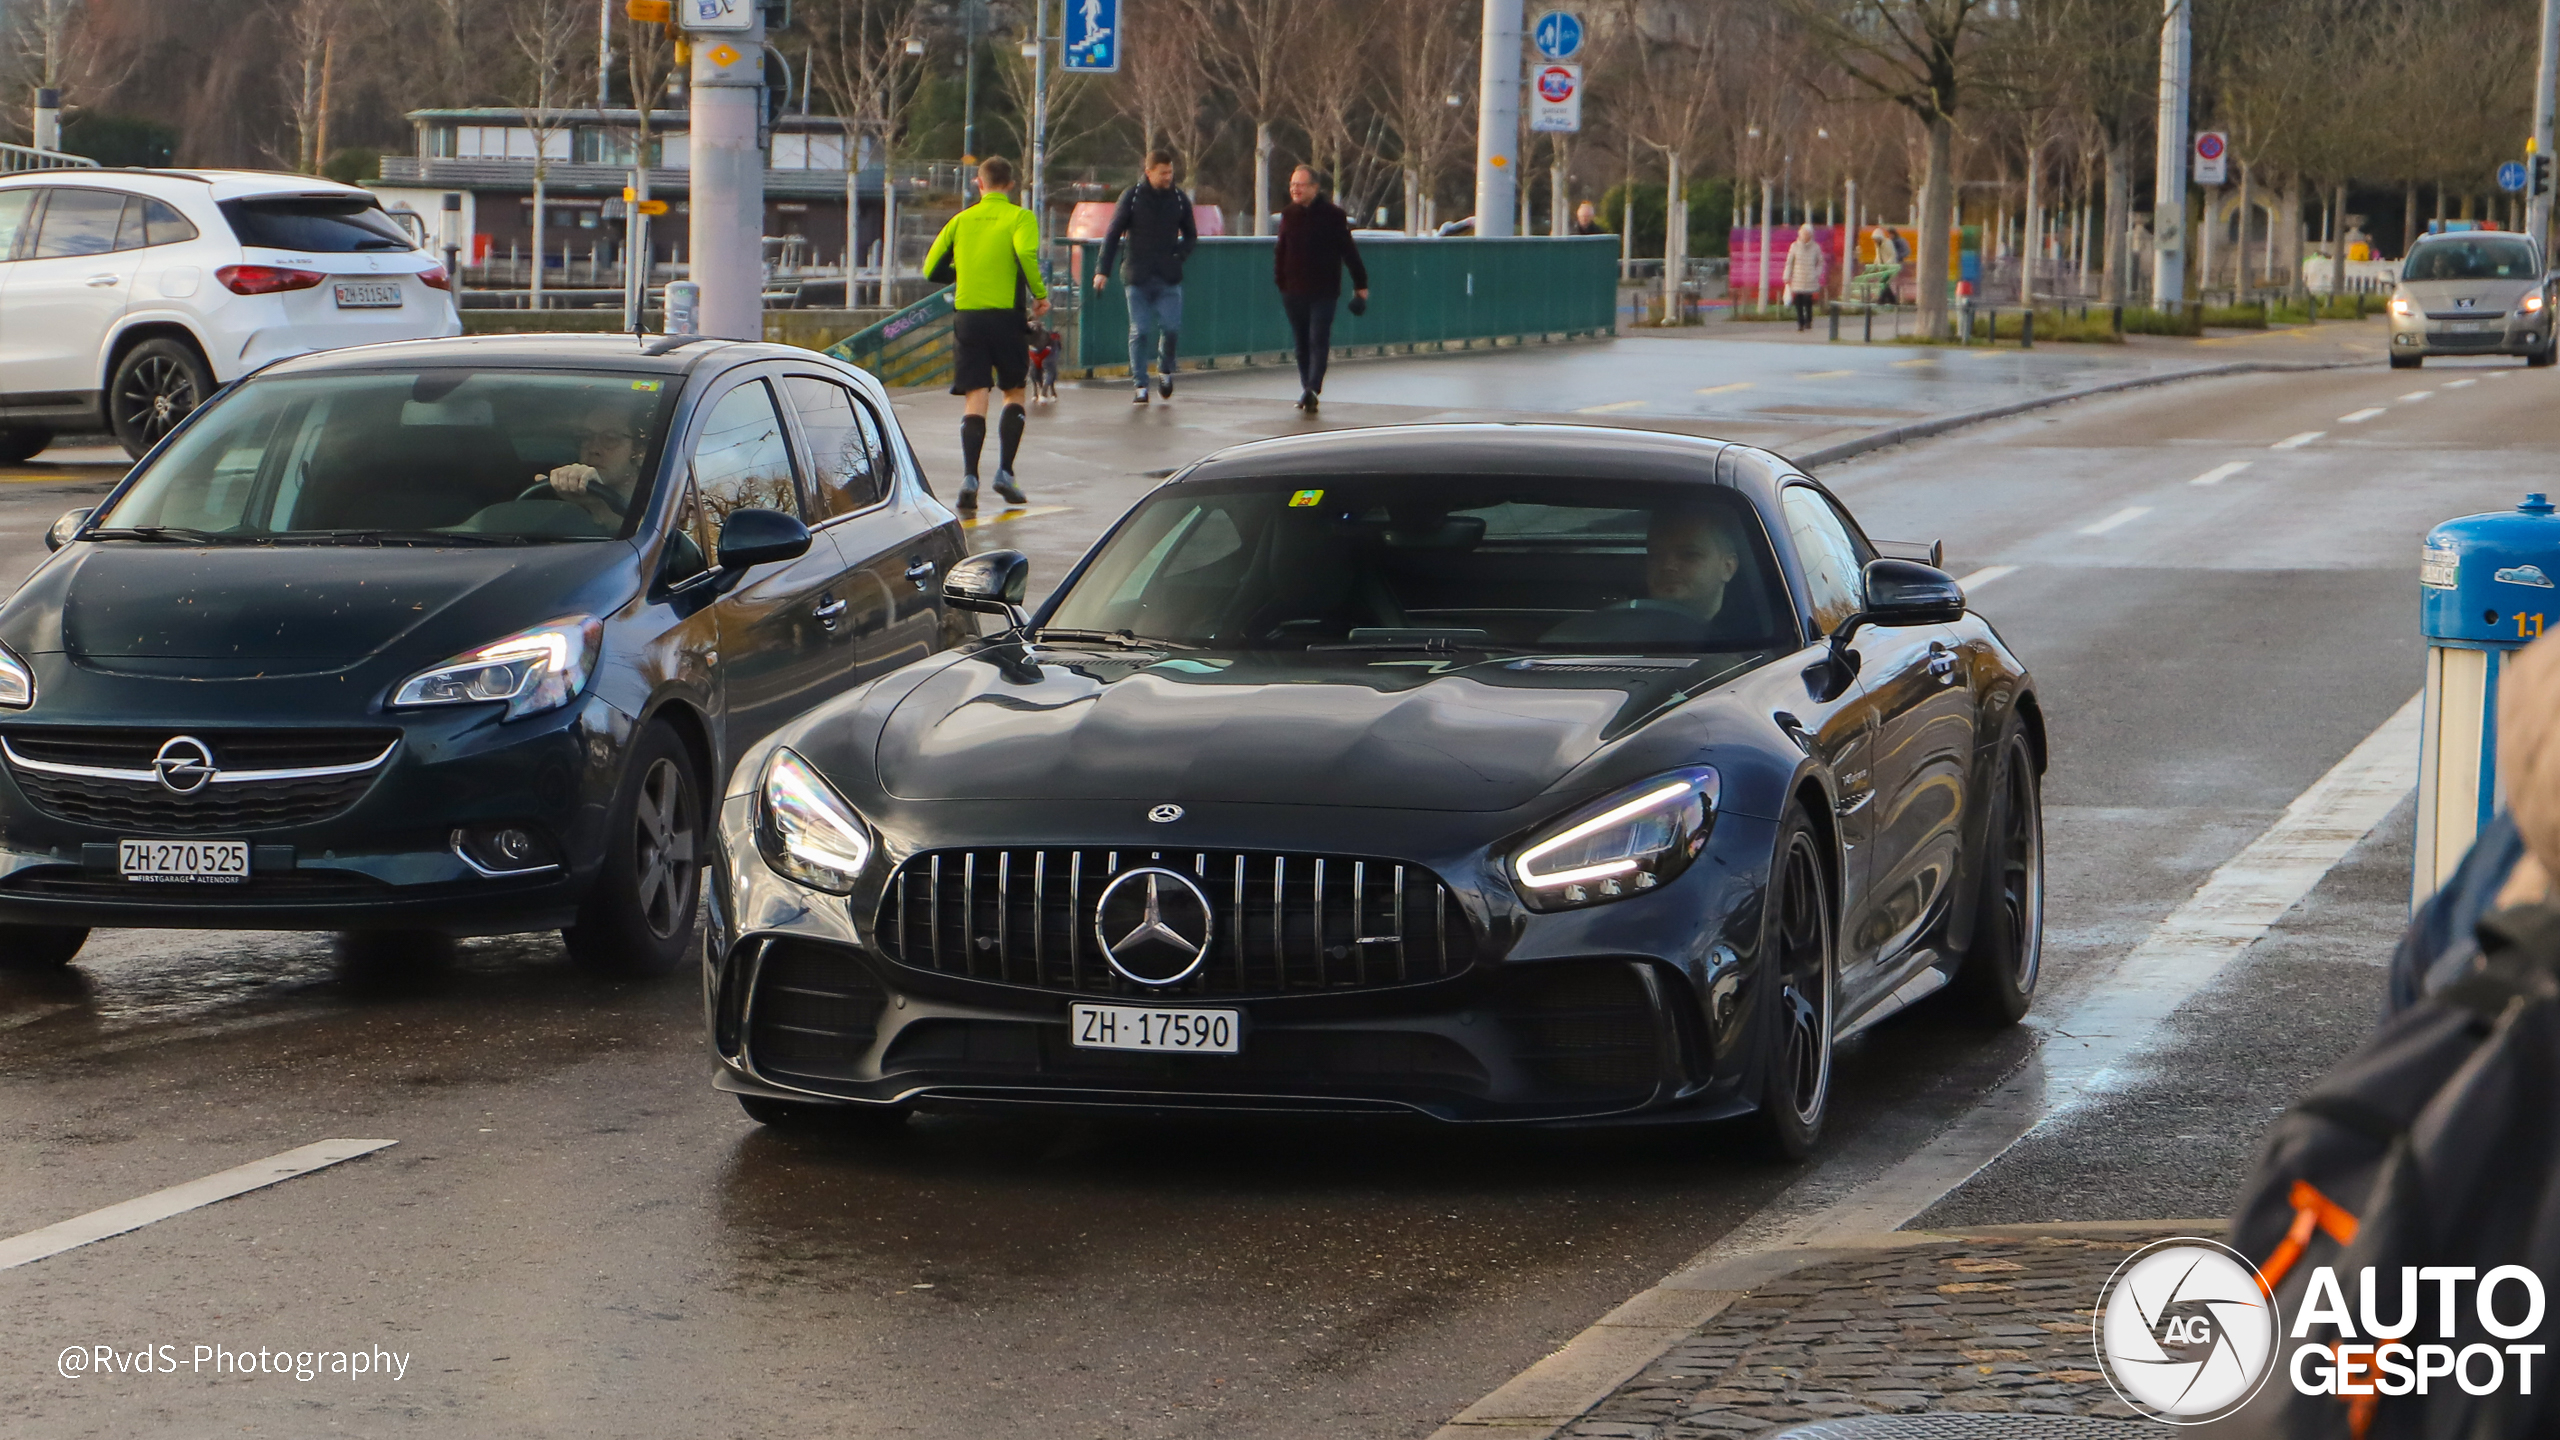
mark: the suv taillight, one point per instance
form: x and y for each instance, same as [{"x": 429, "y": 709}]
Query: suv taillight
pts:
[
  {"x": 435, "y": 277},
  {"x": 265, "y": 279}
]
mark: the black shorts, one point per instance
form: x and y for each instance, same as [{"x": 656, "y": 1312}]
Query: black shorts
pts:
[{"x": 989, "y": 348}]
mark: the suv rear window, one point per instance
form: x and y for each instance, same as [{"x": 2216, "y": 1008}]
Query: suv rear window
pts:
[{"x": 325, "y": 224}]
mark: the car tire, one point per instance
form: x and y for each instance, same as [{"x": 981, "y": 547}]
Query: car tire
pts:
[
  {"x": 639, "y": 918},
  {"x": 40, "y": 947},
  {"x": 19, "y": 446},
  {"x": 1801, "y": 966},
  {"x": 801, "y": 1115},
  {"x": 2407, "y": 362},
  {"x": 1997, "y": 982},
  {"x": 155, "y": 385},
  {"x": 2538, "y": 359}
]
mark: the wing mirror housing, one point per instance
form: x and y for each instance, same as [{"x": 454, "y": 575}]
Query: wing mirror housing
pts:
[
  {"x": 66, "y": 527},
  {"x": 755, "y": 536},
  {"x": 1901, "y": 592},
  {"x": 991, "y": 583}
]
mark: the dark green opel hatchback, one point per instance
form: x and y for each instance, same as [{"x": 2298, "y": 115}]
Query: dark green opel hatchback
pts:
[{"x": 451, "y": 637}]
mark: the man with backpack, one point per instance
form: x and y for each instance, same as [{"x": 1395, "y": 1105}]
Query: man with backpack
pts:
[
  {"x": 1156, "y": 216},
  {"x": 990, "y": 252}
]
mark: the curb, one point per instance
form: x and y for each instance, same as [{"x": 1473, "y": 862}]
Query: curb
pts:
[
  {"x": 1589, "y": 1368},
  {"x": 1923, "y": 429}
]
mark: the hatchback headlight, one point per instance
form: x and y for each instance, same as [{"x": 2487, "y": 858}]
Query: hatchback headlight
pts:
[
  {"x": 2400, "y": 305},
  {"x": 2532, "y": 303},
  {"x": 806, "y": 830},
  {"x": 17, "y": 682},
  {"x": 533, "y": 670},
  {"x": 1636, "y": 840}
]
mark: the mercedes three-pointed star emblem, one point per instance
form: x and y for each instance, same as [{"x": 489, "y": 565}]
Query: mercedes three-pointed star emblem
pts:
[{"x": 1153, "y": 925}]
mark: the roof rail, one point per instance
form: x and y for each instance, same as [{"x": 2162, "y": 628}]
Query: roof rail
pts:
[{"x": 26, "y": 157}]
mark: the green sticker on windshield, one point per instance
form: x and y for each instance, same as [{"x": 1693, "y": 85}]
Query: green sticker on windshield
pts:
[
  {"x": 1306, "y": 498},
  {"x": 645, "y": 384}
]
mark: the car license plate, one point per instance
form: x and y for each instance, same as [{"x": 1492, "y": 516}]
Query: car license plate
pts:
[
  {"x": 2463, "y": 327},
  {"x": 203, "y": 862},
  {"x": 1147, "y": 1027},
  {"x": 368, "y": 294}
]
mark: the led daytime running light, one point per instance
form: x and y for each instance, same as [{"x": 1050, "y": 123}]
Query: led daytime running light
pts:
[
  {"x": 807, "y": 832},
  {"x": 17, "y": 682},
  {"x": 1652, "y": 800}
]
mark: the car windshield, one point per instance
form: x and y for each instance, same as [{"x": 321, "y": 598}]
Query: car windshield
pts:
[
  {"x": 474, "y": 455},
  {"x": 2504, "y": 258},
  {"x": 319, "y": 224},
  {"x": 1437, "y": 562}
]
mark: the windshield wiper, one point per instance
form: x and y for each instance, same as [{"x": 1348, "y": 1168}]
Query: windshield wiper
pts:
[
  {"x": 1125, "y": 639},
  {"x": 413, "y": 537},
  {"x": 1423, "y": 644},
  {"x": 167, "y": 534}
]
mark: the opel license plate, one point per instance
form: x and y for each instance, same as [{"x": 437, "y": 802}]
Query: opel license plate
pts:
[
  {"x": 368, "y": 294},
  {"x": 1148, "y": 1027},
  {"x": 202, "y": 862}
]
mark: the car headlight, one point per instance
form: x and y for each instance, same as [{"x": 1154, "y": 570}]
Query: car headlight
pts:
[
  {"x": 2531, "y": 304},
  {"x": 17, "y": 682},
  {"x": 805, "y": 829},
  {"x": 1636, "y": 840},
  {"x": 533, "y": 670},
  {"x": 2400, "y": 305}
]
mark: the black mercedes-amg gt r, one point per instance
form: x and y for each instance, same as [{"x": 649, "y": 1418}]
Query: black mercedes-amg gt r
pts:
[{"x": 1489, "y": 772}]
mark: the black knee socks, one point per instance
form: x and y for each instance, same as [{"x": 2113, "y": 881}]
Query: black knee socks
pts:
[
  {"x": 1008, "y": 434},
  {"x": 973, "y": 439}
]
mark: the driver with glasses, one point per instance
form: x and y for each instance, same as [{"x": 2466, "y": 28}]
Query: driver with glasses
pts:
[{"x": 601, "y": 479}]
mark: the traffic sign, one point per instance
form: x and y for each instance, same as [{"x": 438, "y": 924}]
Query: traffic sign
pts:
[
  {"x": 650, "y": 207},
  {"x": 2213, "y": 157},
  {"x": 717, "y": 15},
  {"x": 1093, "y": 36},
  {"x": 1559, "y": 34},
  {"x": 1555, "y": 100},
  {"x": 2511, "y": 177}
]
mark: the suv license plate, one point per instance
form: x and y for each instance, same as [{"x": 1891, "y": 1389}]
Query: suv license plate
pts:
[
  {"x": 1147, "y": 1027},
  {"x": 213, "y": 862},
  {"x": 369, "y": 295}
]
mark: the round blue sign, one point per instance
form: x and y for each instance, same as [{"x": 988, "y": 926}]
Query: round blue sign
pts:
[
  {"x": 1559, "y": 34},
  {"x": 2511, "y": 176}
]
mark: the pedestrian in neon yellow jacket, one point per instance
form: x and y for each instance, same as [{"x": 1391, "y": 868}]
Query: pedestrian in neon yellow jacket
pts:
[{"x": 991, "y": 252}]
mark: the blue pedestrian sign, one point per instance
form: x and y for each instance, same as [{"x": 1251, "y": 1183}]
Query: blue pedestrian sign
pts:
[
  {"x": 1559, "y": 34},
  {"x": 2511, "y": 177},
  {"x": 1093, "y": 35}
]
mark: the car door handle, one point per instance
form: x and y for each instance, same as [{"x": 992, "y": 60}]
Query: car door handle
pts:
[
  {"x": 103, "y": 280},
  {"x": 920, "y": 574},
  {"x": 1942, "y": 663},
  {"x": 830, "y": 612}
]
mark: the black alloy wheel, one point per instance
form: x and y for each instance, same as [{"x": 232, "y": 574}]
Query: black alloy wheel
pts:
[
  {"x": 639, "y": 918},
  {"x": 156, "y": 384},
  {"x": 40, "y": 947},
  {"x": 2000, "y": 971},
  {"x": 1803, "y": 973}
]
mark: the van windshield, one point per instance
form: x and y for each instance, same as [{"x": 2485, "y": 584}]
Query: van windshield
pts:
[
  {"x": 2488, "y": 258},
  {"x": 442, "y": 455}
]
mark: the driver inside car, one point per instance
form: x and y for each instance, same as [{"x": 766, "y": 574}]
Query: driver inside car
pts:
[
  {"x": 1689, "y": 560},
  {"x": 600, "y": 480}
]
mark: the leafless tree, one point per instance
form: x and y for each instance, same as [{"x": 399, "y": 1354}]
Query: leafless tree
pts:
[
  {"x": 1675, "y": 69},
  {"x": 1425, "y": 54},
  {"x": 865, "y": 57},
  {"x": 548, "y": 35},
  {"x": 1164, "y": 91},
  {"x": 1252, "y": 50}
]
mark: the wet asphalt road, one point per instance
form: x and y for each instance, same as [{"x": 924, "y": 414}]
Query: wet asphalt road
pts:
[{"x": 574, "y": 1236}]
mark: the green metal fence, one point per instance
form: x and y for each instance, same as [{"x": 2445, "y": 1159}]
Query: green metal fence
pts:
[
  {"x": 1422, "y": 293},
  {"x": 912, "y": 347}
]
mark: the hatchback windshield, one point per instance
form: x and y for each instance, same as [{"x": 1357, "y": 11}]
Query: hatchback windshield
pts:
[
  {"x": 445, "y": 454},
  {"x": 2487, "y": 258},
  {"x": 1459, "y": 562}
]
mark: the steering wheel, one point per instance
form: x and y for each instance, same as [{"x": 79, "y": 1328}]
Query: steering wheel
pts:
[{"x": 541, "y": 490}]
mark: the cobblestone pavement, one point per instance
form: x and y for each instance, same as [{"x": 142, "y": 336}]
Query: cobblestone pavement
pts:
[{"x": 1975, "y": 1322}]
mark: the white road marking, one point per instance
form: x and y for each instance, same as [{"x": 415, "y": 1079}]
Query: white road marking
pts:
[
  {"x": 2092, "y": 1050},
  {"x": 2417, "y": 395},
  {"x": 1726, "y": 389},
  {"x": 2125, "y": 516},
  {"x": 2220, "y": 473},
  {"x": 2358, "y": 417},
  {"x": 2455, "y": 384},
  {"x": 178, "y": 1199},
  {"x": 2497, "y": 375},
  {"x": 1984, "y": 576},
  {"x": 1605, "y": 409},
  {"x": 1825, "y": 374},
  {"x": 2296, "y": 442}
]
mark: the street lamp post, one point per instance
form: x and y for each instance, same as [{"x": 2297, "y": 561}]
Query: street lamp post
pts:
[
  {"x": 969, "y": 83},
  {"x": 1498, "y": 118},
  {"x": 2169, "y": 180}
]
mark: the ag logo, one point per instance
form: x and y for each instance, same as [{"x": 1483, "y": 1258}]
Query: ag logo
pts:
[{"x": 2186, "y": 1332}]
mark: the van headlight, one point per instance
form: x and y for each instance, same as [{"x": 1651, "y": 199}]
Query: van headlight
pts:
[
  {"x": 17, "y": 682},
  {"x": 2400, "y": 305},
  {"x": 1639, "y": 839},
  {"x": 533, "y": 670},
  {"x": 805, "y": 829}
]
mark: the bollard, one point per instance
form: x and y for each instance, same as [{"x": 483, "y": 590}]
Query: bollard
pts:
[
  {"x": 2027, "y": 329},
  {"x": 1871, "y": 323},
  {"x": 684, "y": 308},
  {"x": 2486, "y": 584},
  {"x": 1834, "y": 308}
]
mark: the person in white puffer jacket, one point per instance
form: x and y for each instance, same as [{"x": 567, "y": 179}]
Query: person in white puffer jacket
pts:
[{"x": 1807, "y": 268}]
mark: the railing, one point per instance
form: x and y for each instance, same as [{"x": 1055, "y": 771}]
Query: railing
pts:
[
  {"x": 14, "y": 158},
  {"x": 911, "y": 347}
]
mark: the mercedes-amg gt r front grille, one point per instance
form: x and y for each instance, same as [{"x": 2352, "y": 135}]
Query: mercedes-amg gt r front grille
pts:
[{"x": 1278, "y": 924}]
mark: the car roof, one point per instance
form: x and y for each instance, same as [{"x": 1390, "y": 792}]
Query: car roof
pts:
[
  {"x": 545, "y": 352},
  {"x": 1599, "y": 451},
  {"x": 222, "y": 184}
]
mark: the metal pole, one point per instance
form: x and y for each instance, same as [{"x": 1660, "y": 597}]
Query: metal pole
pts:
[
  {"x": 2538, "y": 218},
  {"x": 727, "y": 205},
  {"x": 2169, "y": 181},
  {"x": 1040, "y": 115},
  {"x": 1848, "y": 236},
  {"x": 969, "y": 88},
  {"x": 1498, "y": 119},
  {"x": 604, "y": 53},
  {"x": 46, "y": 132}
]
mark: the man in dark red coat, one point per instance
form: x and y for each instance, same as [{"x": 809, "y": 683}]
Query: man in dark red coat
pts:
[{"x": 1315, "y": 248}]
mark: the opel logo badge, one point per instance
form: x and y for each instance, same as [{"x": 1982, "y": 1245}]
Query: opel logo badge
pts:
[
  {"x": 184, "y": 765},
  {"x": 1165, "y": 814},
  {"x": 1153, "y": 925}
]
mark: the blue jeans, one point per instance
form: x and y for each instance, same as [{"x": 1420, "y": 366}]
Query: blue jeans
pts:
[{"x": 1154, "y": 309}]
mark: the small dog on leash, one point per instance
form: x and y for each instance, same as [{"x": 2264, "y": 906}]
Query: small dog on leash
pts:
[{"x": 1045, "y": 347}]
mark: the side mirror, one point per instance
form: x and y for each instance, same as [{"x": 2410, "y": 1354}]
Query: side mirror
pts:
[
  {"x": 992, "y": 583},
  {"x": 66, "y": 527},
  {"x": 753, "y": 536},
  {"x": 1903, "y": 592}
]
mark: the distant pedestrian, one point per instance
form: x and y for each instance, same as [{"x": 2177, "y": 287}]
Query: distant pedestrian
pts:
[
  {"x": 1586, "y": 219},
  {"x": 1807, "y": 269},
  {"x": 1315, "y": 248},
  {"x": 1888, "y": 252},
  {"x": 992, "y": 253},
  {"x": 1156, "y": 216}
]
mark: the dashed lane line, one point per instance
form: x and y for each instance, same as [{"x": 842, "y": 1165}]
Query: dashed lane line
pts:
[
  {"x": 2358, "y": 417},
  {"x": 1726, "y": 389},
  {"x": 1605, "y": 409},
  {"x": 1825, "y": 374},
  {"x": 2296, "y": 442},
  {"x": 1984, "y": 576},
  {"x": 2455, "y": 384},
  {"x": 159, "y": 1205},
  {"x": 2125, "y": 516},
  {"x": 2417, "y": 395},
  {"x": 2220, "y": 473}
]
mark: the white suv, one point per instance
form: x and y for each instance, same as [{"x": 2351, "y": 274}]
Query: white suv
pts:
[{"x": 127, "y": 296}]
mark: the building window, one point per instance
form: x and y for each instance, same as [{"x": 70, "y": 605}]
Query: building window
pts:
[
  {"x": 599, "y": 146},
  {"x": 802, "y": 150},
  {"x": 439, "y": 142}
]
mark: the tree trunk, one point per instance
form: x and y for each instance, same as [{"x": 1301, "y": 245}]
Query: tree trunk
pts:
[
  {"x": 2114, "y": 263},
  {"x": 1262, "y": 144},
  {"x": 2293, "y": 235},
  {"x": 2338, "y": 244},
  {"x": 1767, "y": 227},
  {"x": 2408, "y": 216},
  {"x": 540, "y": 177},
  {"x": 1412, "y": 200},
  {"x": 2033, "y": 245},
  {"x": 1937, "y": 217},
  {"x": 2240, "y": 245},
  {"x": 1675, "y": 245}
]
